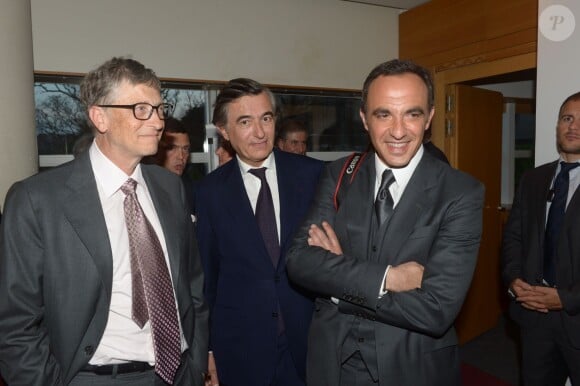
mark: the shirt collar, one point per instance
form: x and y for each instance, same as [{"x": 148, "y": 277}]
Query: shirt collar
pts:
[
  {"x": 268, "y": 163},
  {"x": 402, "y": 175},
  {"x": 108, "y": 175}
]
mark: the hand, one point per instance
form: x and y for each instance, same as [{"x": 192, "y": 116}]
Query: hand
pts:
[
  {"x": 541, "y": 299},
  {"x": 404, "y": 277},
  {"x": 324, "y": 238},
  {"x": 211, "y": 378}
]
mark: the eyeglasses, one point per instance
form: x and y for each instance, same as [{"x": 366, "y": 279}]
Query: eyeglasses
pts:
[{"x": 143, "y": 111}]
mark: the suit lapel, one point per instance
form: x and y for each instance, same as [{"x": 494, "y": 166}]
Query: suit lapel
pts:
[
  {"x": 163, "y": 203},
  {"x": 416, "y": 199},
  {"x": 288, "y": 195},
  {"x": 358, "y": 208},
  {"x": 85, "y": 214},
  {"x": 237, "y": 205},
  {"x": 539, "y": 199}
]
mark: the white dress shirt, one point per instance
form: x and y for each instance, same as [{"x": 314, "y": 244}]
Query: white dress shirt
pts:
[
  {"x": 402, "y": 177},
  {"x": 253, "y": 184},
  {"x": 122, "y": 339}
]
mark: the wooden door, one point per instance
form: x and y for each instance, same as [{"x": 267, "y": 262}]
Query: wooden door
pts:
[{"x": 473, "y": 137}]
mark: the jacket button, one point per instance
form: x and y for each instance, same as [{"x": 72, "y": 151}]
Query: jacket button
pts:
[
  {"x": 374, "y": 248},
  {"x": 274, "y": 314},
  {"x": 277, "y": 278},
  {"x": 89, "y": 350}
]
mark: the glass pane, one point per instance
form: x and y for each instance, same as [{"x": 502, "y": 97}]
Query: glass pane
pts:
[
  {"x": 60, "y": 117},
  {"x": 332, "y": 119}
]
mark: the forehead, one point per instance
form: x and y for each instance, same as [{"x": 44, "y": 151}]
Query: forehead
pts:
[
  {"x": 398, "y": 87},
  {"x": 251, "y": 105},
  {"x": 571, "y": 107},
  {"x": 298, "y": 135},
  {"x": 176, "y": 137},
  {"x": 134, "y": 93}
]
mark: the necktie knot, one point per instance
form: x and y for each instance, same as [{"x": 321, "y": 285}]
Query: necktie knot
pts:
[
  {"x": 259, "y": 172},
  {"x": 386, "y": 180},
  {"x": 565, "y": 167},
  {"x": 129, "y": 186}
]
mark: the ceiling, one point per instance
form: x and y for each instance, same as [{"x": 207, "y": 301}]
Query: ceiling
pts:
[{"x": 400, "y": 4}]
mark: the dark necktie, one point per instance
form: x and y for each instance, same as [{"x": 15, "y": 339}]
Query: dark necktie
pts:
[
  {"x": 152, "y": 289},
  {"x": 266, "y": 218},
  {"x": 384, "y": 200},
  {"x": 555, "y": 220}
]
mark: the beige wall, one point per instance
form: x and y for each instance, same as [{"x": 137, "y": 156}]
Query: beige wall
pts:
[
  {"x": 326, "y": 43},
  {"x": 557, "y": 76},
  {"x": 18, "y": 157}
]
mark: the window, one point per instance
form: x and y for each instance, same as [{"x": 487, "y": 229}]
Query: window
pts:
[{"x": 332, "y": 118}]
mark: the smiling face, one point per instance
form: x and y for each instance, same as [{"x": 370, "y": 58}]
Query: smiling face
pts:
[
  {"x": 120, "y": 136},
  {"x": 397, "y": 115},
  {"x": 250, "y": 128},
  {"x": 568, "y": 131}
]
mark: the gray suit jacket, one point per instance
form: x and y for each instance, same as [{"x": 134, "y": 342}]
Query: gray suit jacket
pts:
[
  {"x": 438, "y": 223},
  {"x": 56, "y": 273}
]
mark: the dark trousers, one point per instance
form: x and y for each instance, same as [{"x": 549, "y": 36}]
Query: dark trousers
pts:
[
  {"x": 285, "y": 373},
  {"x": 547, "y": 356}
]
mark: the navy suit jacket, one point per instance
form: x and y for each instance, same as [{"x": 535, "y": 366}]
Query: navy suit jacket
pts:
[
  {"x": 523, "y": 249},
  {"x": 243, "y": 288}
]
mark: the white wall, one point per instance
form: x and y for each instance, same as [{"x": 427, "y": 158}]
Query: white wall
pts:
[
  {"x": 322, "y": 43},
  {"x": 557, "y": 75}
]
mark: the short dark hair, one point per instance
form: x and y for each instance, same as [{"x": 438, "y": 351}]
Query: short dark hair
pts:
[
  {"x": 98, "y": 86},
  {"x": 174, "y": 125},
  {"x": 573, "y": 97},
  {"x": 399, "y": 67},
  {"x": 289, "y": 125},
  {"x": 233, "y": 90}
]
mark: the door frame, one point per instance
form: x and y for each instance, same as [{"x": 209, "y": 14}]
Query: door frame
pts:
[{"x": 469, "y": 73}]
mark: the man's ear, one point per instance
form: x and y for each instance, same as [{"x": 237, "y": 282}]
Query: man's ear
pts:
[
  {"x": 224, "y": 132},
  {"x": 363, "y": 119},
  {"x": 98, "y": 118}
]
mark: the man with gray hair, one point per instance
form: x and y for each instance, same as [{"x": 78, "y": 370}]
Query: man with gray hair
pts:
[{"x": 100, "y": 276}]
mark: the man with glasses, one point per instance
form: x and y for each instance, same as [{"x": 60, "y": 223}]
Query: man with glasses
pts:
[{"x": 100, "y": 277}]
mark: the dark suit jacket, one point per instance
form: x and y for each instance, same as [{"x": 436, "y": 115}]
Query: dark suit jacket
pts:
[
  {"x": 436, "y": 223},
  {"x": 243, "y": 288},
  {"x": 523, "y": 249},
  {"x": 56, "y": 273}
]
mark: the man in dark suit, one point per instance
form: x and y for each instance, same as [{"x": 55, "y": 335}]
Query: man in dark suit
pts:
[
  {"x": 541, "y": 260},
  {"x": 78, "y": 306},
  {"x": 258, "y": 320},
  {"x": 391, "y": 272}
]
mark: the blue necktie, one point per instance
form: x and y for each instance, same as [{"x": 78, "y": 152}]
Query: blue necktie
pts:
[
  {"x": 555, "y": 220},
  {"x": 266, "y": 218}
]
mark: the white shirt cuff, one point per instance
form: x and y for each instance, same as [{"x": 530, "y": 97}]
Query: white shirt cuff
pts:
[{"x": 382, "y": 290}]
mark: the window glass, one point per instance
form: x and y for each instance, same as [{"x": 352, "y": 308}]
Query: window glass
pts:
[{"x": 332, "y": 118}]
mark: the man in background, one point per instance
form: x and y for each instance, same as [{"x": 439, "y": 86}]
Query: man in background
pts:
[
  {"x": 100, "y": 276},
  {"x": 541, "y": 259},
  {"x": 247, "y": 211},
  {"x": 173, "y": 152},
  {"x": 393, "y": 262},
  {"x": 224, "y": 150},
  {"x": 292, "y": 137}
]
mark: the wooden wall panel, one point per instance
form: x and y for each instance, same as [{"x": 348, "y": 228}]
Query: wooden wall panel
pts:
[{"x": 444, "y": 34}]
